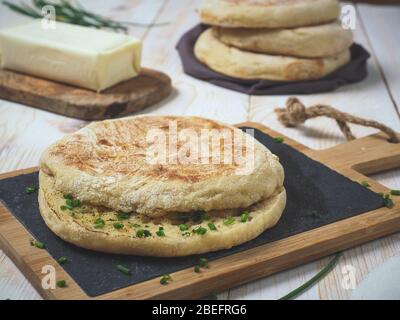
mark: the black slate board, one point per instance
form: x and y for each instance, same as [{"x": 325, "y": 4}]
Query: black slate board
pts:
[
  {"x": 316, "y": 194},
  {"x": 354, "y": 71}
]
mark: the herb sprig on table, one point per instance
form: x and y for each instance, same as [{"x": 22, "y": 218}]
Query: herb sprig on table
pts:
[
  {"x": 73, "y": 14},
  {"x": 319, "y": 276}
]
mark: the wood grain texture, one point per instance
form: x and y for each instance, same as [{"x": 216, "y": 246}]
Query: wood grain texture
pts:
[
  {"x": 245, "y": 266},
  {"x": 26, "y": 132},
  {"x": 379, "y": 22},
  {"x": 369, "y": 99},
  {"x": 138, "y": 93}
]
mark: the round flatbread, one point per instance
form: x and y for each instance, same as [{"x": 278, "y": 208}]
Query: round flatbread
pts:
[
  {"x": 102, "y": 229},
  {"x": 111, "y": 163},
  {"x": 248, "y": 65},
  {"x": 308, "y": 42},
  {"x": 268, "y": 13}
]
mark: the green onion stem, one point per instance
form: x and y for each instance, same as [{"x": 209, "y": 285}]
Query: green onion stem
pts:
[
  {"x": 319, "y": 276},
  {"x": 66, "y": 12}
]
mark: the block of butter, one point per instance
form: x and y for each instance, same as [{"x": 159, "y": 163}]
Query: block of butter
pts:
[{"x": 80, "y": 56}]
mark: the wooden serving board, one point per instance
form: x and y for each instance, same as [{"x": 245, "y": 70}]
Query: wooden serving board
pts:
[
  {"x": 148, "y": 88},
  {"x": 367, "y": 155}
]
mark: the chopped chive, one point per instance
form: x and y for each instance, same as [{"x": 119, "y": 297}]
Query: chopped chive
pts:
[
  {"x": 229, "y": 221},
  {"x": 212, "y": 226},
  {"x": 76, "y": 203},
  {"x": 123, "y": 269},
  {"x": 197, "y": 269},
  {"x": 61, "y": 283},
  {"x": 123, "y": 215},
  {"x": 30, "y": 190},
  {"x": 203, "y": 263},
  {"x": 118, "y": 225},
  {"x": 38, "y": 244},
  {"x": 395, "y": 192},
  {"x": 244, "y": 216},
  {"x": 388, "y": 201},
  {"x": 70, "y": 203},
  {"x": 63, "y": 260},
  {"x": 200, "y": 231},
  {"x": 183, "y": 227},
  {"x": 160, "y": 232},
  {"x": 165, "y": 279},
  {"x": 320, "y": 275},
  {"x": 99, "y": 223},
  {"x": 143, "y": 233},
  {"x": 279, "y": 139},
  {"x": 365, "y": 184}
]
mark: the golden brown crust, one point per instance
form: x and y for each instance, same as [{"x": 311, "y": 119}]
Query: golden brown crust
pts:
[
  {"x": 248, "y": 65},
  {"x": 121, "y": 149},
  {"x": 77, "y": 227},
  {"x": 268, "y": 13},
  {"x": 105, "y": 164},
  {"x": 308, "y": 42}
]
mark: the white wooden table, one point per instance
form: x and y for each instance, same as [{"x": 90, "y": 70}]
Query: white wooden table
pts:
[{"x": 25, "y": 132}]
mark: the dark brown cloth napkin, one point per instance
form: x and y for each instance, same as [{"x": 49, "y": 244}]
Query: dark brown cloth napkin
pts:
[{"x": 354, "y": 71}]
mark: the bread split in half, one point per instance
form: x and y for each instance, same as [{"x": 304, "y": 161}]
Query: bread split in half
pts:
[{"x": 112, "y": 187}]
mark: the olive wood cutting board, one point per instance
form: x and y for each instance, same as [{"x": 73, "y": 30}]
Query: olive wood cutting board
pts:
[
  {"x": 147, "y": 89},
  {"x": 353, "y": 160}
]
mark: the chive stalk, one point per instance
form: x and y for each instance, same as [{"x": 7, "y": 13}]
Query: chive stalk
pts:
[
  {"x": 165, "y": 279},
  {"x": 61, "y": 283},
  {"x": 63, "y": 260},
  {"x": 99, "y": 223},
  {"x": 30, "y": 190},
  {"x": 123, "y": 269},
  {"x": 212, "y": 226},
  {"x": 310, "y": 283},
  {"x": 395, "y": 192},
  {"x": 229, "y": 221}
]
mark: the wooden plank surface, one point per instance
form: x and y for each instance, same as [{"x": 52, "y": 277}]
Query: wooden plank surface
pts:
[
  {"x": 247, "y": 265},
  {"x": 148, "y": 88},
  {"x": 379, "y": 24},
  {"x": 26, "y": 132}
]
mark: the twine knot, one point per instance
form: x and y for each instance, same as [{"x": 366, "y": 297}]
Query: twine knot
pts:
[{"x": 296, "y": 113}]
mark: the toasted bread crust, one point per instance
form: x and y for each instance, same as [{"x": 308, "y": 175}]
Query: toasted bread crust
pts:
[
  {"x": 105, "y": 164},
  {"x": 268, "y": 13},
  {"x": 78, "y": 228},
  {"x": 248, "y": 65},
  {"x": 307, "y": 42}
]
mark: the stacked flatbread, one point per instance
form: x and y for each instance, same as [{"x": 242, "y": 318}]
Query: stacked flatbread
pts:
[
  {"x": 286, "y": 40},
  {"x": 101, "y": 188}
]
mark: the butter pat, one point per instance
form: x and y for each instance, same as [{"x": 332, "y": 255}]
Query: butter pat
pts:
[{"x": 80, "y": 56}]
